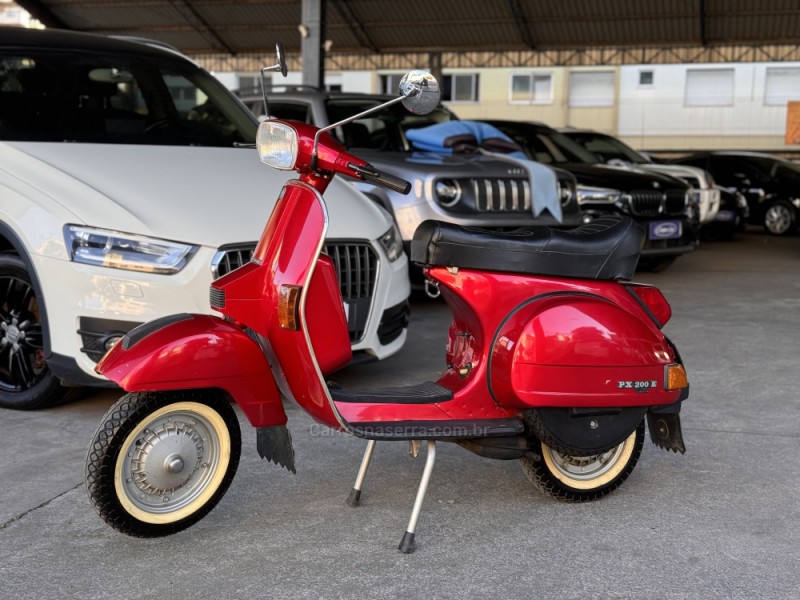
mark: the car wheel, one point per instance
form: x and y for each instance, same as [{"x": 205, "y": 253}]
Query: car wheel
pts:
[
  {"x": 25, "y": 380},
  {"x": 779, "y": 218}
]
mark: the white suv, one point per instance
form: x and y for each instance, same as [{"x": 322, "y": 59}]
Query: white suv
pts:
[{"x": 126, "y": 185}]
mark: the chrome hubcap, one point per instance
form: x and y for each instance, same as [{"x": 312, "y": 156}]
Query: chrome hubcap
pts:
[
  {"x": 586, "y": 467},
  {"x": 169, "y": 462}
]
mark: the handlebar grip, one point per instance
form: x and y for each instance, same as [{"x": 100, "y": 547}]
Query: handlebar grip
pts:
[{"x": 373, "y": 175}]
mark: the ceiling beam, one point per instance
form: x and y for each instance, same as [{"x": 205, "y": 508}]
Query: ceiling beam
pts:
[
  {"x": 354, "y": 24},
  {"x": 43, "y": 13},
  {"x": 200, "y": 25},
  {"x": 522, "y": 23}
]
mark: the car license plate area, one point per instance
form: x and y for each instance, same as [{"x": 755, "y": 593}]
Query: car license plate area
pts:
[{"x": 665, "y": 230}]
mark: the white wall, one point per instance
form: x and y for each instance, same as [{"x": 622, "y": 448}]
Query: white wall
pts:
[{"x": 660, "y": 109}]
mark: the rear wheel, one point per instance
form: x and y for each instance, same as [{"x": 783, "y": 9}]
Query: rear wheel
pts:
[
  {"x": 583, "y": 478},
  {"x": 25, "y": 380},
  {"x": 159, "y": 462},
  {"x": 779, "y": 218}
]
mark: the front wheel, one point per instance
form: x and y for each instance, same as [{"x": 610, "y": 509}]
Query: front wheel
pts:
[
  {"x": 26, "y": 382},
  {"x": 583, "y": 478},
  {"x": 159, "y": 462}
]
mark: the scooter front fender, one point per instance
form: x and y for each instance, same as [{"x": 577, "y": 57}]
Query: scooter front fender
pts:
[{"x": 197, "y": 351}]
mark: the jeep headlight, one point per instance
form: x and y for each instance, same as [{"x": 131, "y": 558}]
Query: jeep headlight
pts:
[
  {"x": 447, "y": 192},
  {"x": 588, "y": 194},
  {"x": 104, "y": 248},
  {"x": 392, "y": 243}
]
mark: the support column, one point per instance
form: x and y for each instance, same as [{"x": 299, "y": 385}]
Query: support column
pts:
[{"x": 312, "y": 31}]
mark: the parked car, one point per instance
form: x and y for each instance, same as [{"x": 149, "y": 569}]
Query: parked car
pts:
[
  {"x": 615, "y": 152},
  {"x": 770, "y": 184},
  {"x": 466, "y": 188},
  {"x": 662, "y": 204},
  {"x": 731, "y": 217},
  {"x": 126, "y": 186}
]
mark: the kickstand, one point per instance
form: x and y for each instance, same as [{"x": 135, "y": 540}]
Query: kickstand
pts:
[
  {"x": 407, "y": 545},
  {"x": 355, "y": 494}
]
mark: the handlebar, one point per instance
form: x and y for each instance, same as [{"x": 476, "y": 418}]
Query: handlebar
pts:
[{"x": 373, "y": 175}]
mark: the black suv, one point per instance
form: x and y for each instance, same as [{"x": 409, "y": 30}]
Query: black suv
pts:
[
  {"x": 770, "y": 184},
  {"x": 662, "y": 204}
]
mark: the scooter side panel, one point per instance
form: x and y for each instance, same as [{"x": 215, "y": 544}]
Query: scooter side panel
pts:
[
  {"x": 582, "y": 350},
  {"x": 199, "y": 351}
]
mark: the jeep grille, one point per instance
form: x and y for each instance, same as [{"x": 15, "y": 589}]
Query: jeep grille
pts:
[
  {"x": 502, "y": 195},
  {"x": 356, "y": 269}
]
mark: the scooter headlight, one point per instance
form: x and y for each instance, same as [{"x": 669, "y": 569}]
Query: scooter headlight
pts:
[{"x": 277, "y": 145}]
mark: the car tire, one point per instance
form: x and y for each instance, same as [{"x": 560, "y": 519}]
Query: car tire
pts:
[
  {"x": 780, "y": 218},
  {"x": 26, "y": 382}
]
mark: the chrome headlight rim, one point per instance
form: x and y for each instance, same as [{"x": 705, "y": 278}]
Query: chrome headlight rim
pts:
[{"x": 447, "y": 192}]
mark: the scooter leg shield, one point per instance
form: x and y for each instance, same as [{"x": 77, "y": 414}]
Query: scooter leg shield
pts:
[{"x": 187, "y": 351}]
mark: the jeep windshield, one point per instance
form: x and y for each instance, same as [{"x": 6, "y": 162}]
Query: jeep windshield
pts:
[
  {"x": 64, "y": 96},
  {"x": 384, "y": 130}
]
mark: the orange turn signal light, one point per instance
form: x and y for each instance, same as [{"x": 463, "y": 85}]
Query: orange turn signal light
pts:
[
  {"x": 675, "y": 377},
  {"x": 288, "y": 305}
]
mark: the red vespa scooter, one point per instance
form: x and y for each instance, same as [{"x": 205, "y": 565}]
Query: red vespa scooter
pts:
[{"x": 554, "y": 357}]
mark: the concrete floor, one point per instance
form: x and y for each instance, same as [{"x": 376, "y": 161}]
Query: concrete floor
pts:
[{"x": 721, "y": 521}]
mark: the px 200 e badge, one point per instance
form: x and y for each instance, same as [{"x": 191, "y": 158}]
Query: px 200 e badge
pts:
[{"x": 639, "y": 386}]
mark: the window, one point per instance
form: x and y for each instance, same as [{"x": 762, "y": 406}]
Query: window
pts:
[
  {"x": 460, "y": 88},
  {"x": 533, "y": 88},
  {"x": 782, "y": 85},
  {"x": 709, "y": 87},
  {"x": 591, "y": 88},
  {"x": 390, "y": 84},
  {"x": 646, "y": 78}
]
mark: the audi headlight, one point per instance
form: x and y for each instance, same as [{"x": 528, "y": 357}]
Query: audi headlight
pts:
[
  {"x": 104, "y": 248},
  {"x": 277, "y": 145},
  {"x": 448, "y": 192},
  {"x": 392, "y": 243},
  {"x": 588, "y": 194}
]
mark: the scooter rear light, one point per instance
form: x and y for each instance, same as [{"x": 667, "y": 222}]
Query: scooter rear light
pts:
[
  {"x": 675, "y": 377},
  {"x": 651, "y": 298},
  {"x": 288, "y": 297}
]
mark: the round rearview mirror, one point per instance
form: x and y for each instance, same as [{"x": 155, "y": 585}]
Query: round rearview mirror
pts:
[
  {"x": 420, "y": 92},
  {"x": 281, "y": 58}
]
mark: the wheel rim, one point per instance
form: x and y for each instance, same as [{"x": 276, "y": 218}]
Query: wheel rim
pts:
[
  {"x": 22, "y": 363},
  {"x": 589, "y": 472},
  {"x": 171, "y": 464},
  {"x": 778, "y": 219}
]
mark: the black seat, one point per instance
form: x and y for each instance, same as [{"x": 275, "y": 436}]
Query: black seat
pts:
[{"x": 606, "y": 248}]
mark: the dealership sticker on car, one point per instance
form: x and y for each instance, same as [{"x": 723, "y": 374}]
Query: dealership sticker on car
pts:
[{"x": 665, "y": 230}]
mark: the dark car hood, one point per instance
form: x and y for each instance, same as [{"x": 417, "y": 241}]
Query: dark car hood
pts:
[
  {"x": 433, "y": 163},
  {"x": 621, "y": 179}
]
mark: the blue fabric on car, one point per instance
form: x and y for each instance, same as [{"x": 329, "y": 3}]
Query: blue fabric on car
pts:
[{"x": 467, "y": 137}]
